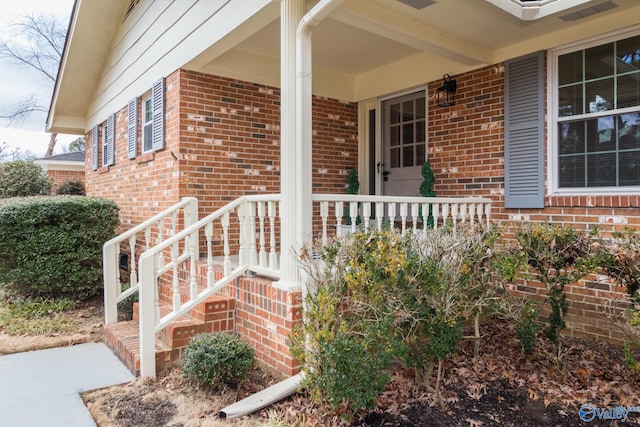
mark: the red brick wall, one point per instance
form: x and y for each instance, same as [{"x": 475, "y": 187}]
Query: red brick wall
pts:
[
  {"x": 225, "y": 135},
  {"x": 60, "y": 177},
  {"x": 466, "y": 150}
]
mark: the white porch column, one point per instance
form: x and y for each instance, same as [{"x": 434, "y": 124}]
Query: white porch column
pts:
[
  {"x": 290, "y": 15},
  {"x": 304, "y": 132}
]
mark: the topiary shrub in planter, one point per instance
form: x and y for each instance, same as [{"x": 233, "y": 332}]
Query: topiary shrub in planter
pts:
[
  {"x": 51, "y": 247},
  {"x": 217, "y": 360}
]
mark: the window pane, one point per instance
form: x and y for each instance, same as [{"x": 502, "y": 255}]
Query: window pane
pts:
[
  {"x": 571, "y": 101},
  {"x": 601, "y": 135},
  {"x": 148, "y": 110},
  {"x": 421, "y": 131},
  {"x": 394, "y": 113},
  {"x": 407, "y": 133},
  {"x": 572, "y": 171},
  {"x": 601, "y": 170},
  {"x": 629, "y": 167},
  {"x": 420, "y": 108},
  {"x": 407, "y": 156},
  {"x": 629, "y": 131},
  {"x": 599, "y": 95},
  {"x": 599, "y": 61},
  {"x": 629, "y": 90},
  {"x": 407, "y": 110},
  {"x": 570, "y": 68},
  {"x": 395, "y": 157},
  {"x": 394, "y": 135},
  {"x": 628, "y": 54},
  {"x": 571, "y": 137},
  {"x": 421, "y": 154},
  {"x": 148, "y": 138}
]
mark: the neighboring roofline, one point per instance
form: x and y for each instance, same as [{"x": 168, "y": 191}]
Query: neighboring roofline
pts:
[
  {"x": 60, "y": 165},
  {"x": 533, "y": 10},
  {"x": 62, "y": 60}
]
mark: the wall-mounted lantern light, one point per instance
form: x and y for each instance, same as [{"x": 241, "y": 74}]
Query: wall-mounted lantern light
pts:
[{"x": 446, "y": 94}]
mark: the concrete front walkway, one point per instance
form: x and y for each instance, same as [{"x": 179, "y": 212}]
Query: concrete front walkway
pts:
[{"x": 41, "y": 388}]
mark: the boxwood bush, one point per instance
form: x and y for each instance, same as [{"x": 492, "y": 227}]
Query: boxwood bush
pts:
[
  {"x": 52, "y": 246},
  {"x": 217, "y": 360}
]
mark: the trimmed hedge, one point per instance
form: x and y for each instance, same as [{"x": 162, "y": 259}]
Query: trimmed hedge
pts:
[
  {"x": 22, "y": 179},
  {"x": 52, "y": 246}
]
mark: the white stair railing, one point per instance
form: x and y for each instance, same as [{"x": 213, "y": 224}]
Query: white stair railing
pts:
[
  {"x": 172, "y": 263},
  {"x": 247, "y": 230},
  {"x": 140, "y": 238}
]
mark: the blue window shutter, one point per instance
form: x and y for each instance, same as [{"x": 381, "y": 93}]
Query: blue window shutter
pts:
[
  {"x": 132, "y": 129},
  {"x": 94, "y": 148},
  {"x": 111, "y": 124},
  {"x": 158, "y": 114},
  {"x": 524, "y": 132}
]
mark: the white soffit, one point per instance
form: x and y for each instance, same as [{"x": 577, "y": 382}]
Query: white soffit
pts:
[{"x": 532, "y": 10}]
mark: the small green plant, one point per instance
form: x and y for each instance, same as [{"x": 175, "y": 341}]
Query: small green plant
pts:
[
  {"x": 353, "y": 185},
  {"x": 125, "y": 307},
  {"x": 35, "y": 316},
  {"x": 527, "y": 327},
  {"x": 632, "y": 364},
  {"x": 426, "y": 189},
  {"x": 217, "y": 360}
]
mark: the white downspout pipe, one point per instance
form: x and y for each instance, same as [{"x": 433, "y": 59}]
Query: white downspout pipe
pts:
[{"x": 304, "y": 175}]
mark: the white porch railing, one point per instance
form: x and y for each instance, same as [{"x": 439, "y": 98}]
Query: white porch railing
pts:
[
  {"x": 405, "y": 213},
  {"x": 139, "y": 239},
  {"x": 248, "y": 230}
]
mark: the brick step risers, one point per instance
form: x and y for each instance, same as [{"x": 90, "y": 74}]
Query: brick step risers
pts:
[
  {"x": 216, "y": 314},
  {"x": 166, "y": 289}
]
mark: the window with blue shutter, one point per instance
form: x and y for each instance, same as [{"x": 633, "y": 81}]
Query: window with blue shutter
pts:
[
  {"x": 94, "y": 148},
  {"x": 524, "y": 132},
  {"x": 132, "y": 129},
  {"x": 108, "y": 141},
  {"x": 157, "y": 93}
]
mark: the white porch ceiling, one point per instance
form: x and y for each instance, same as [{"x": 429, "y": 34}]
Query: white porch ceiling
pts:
[{"x": 365, "y": 35}]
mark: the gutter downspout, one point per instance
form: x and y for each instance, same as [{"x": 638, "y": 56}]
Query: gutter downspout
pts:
[{"x": 304, "y": 188}]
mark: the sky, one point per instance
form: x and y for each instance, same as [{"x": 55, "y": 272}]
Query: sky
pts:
[{"x": 18, "y": 83}]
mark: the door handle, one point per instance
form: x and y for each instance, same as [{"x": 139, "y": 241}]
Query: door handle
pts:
[
  {"x": 378, "y": 166},
  {"x": 386, "y": 173}
]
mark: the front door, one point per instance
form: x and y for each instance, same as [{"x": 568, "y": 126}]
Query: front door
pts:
[{"x": 404, "y": 143}]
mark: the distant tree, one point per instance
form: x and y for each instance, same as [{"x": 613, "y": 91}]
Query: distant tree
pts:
[
  {"x": 22, "y": 179},
  {"x": 9, "y": 154},
  {"x": 77, "y": 144},
  {"x": 35, "y": 42}
]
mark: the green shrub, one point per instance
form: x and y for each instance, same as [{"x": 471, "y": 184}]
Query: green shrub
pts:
[
  {"x": 23, "y": 179},
  {"x": 216, "y": 360},
  {"x": 71, "y": 188},
  {"x": 52, "y": 246}
]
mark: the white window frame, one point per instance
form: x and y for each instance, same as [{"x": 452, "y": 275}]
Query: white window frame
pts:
[
  {"x": 147, "y": 126},
  {"x": 552, "y": 116}
]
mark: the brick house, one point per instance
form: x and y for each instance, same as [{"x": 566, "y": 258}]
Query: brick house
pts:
[
  {"x": 216, "y": 100},
  {"x": 63, "y": 167}
]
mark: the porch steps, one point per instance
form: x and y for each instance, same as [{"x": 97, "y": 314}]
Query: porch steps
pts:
[{"x": 215, "y": 314}]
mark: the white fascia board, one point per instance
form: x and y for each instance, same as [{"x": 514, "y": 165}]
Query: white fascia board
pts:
[
  {"x": 60, "y": 165},
  {"x": 529, "y": 11}
]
